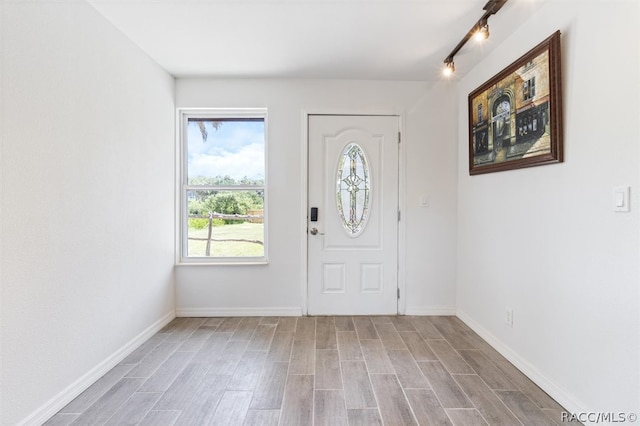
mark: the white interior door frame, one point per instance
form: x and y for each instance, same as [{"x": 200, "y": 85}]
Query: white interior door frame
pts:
[{"x": 304, "y": 196}]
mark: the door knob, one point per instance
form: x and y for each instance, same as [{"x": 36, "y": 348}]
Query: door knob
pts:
[{"x": 313, "y": 231}]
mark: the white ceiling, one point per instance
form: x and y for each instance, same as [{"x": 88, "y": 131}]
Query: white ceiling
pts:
[{"x": 350, "y": 39}]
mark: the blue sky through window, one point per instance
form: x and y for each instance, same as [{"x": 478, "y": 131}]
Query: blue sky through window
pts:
[{"x": 235, "y": 149}]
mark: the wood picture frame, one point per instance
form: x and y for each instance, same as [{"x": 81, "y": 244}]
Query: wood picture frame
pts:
[{"x": 515, "y": 118}]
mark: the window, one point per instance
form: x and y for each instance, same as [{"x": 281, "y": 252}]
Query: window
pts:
[
  {"x": 352, "y": 189},
  {"x": 223, "y": 186},
  {"x": 529, "y": 89}
]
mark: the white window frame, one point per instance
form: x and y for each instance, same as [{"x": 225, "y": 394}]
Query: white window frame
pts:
[{"x": 183, "y": 115}]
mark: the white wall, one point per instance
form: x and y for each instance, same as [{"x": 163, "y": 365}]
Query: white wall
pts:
[
  {"x": 431, "y": 154},
  {"x": 277, "y": 287},
  {"x": 545, "y": 241},
  {"x": 1, "y": 206},
  {"x": 87, "y": 200}
]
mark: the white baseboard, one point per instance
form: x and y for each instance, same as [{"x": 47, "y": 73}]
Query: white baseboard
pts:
[
  {"x": 286, "y": 312},
  {"x": 430, "y": 311},
  {"x": 238, "y": 312},
  {"x": 556, "y": 392},
  {"x": 55, "y": 404}
]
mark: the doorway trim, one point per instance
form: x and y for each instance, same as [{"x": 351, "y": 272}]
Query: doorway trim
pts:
[{"x": 402, "y": 184}]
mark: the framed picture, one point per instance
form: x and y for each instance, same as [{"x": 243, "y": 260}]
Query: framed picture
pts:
[{"x": 515, "y": 119}]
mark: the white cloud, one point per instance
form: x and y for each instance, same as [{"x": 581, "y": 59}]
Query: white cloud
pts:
[
  {"x": 235, "y": 149},
  {"x": 248, "y": 161}
]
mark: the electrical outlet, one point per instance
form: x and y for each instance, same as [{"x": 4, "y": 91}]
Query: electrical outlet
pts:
[{"x": 508, "y": 317}]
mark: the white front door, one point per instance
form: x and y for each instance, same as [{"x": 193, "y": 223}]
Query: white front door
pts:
[{"x": 353, "y": 215}]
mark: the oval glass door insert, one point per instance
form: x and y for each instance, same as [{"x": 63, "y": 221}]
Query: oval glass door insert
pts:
[{"x": 353, "y": 189}]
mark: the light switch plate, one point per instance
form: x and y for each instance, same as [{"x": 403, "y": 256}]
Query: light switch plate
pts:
[{"x": 621, "y": 199}]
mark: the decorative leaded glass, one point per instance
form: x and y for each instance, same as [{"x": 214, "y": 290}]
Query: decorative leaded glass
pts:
[{"x": 352, "y": 189}]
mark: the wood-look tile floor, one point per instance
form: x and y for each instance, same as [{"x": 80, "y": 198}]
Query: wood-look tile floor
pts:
[{"x": 313, "y": 371}]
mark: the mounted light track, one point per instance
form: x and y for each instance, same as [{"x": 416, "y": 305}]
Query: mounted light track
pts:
[{"x": 480, "y": 31}]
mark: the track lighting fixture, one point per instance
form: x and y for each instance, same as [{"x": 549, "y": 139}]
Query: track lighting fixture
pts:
[
  {"x": 449, "y": 67},
  {"x": 480, "y": 31}
]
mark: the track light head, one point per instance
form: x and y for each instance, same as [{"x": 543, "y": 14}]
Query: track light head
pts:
[
  {"x": 482, "y": 33},
  {"x": 449, "y": 67}
]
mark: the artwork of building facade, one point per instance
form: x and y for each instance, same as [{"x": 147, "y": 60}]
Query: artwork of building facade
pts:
[{"x": 510, "y": 120}]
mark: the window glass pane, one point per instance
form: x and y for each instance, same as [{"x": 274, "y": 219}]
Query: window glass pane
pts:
[
  {"x": 225, "y": 151},
  {"x": 225, "y": 223},
  {"x": 352, "y": 189}
]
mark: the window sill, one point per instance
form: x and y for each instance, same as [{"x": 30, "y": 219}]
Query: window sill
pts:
[{"x": 223, "y": 263}]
